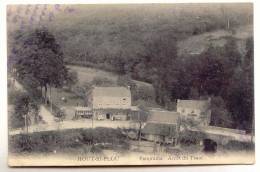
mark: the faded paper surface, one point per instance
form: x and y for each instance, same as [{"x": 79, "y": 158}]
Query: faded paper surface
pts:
[
  {"x": 147, "y": 84},
  {"x": 131, "y": 159}
]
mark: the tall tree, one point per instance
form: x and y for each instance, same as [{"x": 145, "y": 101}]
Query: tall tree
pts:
[
  {"x": 24, "y": 108},
  {"x": 141, "y": 118},
  {"x": 162, "y": 53},
  {"x": 39, "y": 59},
  {"x": 72, "y": 79}
]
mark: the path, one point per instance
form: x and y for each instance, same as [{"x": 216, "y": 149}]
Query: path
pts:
[
  {"x": 16, "y": 84},
  {"x": 46, "y": 115},
  {"x": 217, "y": 133},
  {"x": 78, "y": 124}
]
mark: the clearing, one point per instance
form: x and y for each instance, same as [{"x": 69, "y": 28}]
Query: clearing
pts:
[
  {"x": 87, "y": 74},
  {"x": 198, "y": 43}
]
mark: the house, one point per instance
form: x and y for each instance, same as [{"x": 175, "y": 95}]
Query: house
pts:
[
  {"x": 110, "y": 103},
  {"x": 82, "y": 111},
  {"x": 197, "y": 110},
  {"x": 162, "y": 126}
]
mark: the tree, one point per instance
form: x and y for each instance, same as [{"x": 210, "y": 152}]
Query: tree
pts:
[
  {"x": 24, "y": 108},
  {"x": 220, "y": 116},
  {"x": 39, "y": 60},
  {"x": 141, "y": 118},
  {"x": 79, "y": 91},
  {"x": 232, "y": 54},
  {"x": 145, "y": 93},
  {"x": 240, "y": 94},
  {"x": 211, "y": 76},
  {"x": 72, "y": 79},
  {"x": 248, "y": 67},
  {"x": 126, "y": 81},
  {"x": 102, "y": 82},
  {"x": 194, "y": 93},
  {"x": 226, "y": 16},
  {"x": 162, "y": 54}
]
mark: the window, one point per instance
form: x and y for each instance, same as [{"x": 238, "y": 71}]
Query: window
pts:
[{"x": 192, "y": 115}]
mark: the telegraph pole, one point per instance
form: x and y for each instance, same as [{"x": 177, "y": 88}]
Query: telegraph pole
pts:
[
  {"x": 26, "y": 123},
  {"x": 92, "y": 127},
  {"x": 92, "y": 121},
  {"x": 140, "y": 127},
  {"x": 50, "y": 99}
]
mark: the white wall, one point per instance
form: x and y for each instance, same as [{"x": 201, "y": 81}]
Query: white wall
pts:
[{"x": 111, "y": 102}]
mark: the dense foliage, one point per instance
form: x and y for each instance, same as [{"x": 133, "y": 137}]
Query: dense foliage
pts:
[
  {"x": 25, "y": 111},
  {"x": 80, "y": 140},
  {"x": 144, "y": 45},
  {"x": 37, "y": 60}
]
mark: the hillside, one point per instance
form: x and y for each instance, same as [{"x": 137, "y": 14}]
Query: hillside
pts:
[
  {"x": 163, "y": 45},
  {"x": 96, "y": 32},
  {"x": 197, "y": 44},
  {"x": 87, "y": 74}
]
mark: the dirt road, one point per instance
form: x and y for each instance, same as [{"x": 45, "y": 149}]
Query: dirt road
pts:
[{"x": 52, "y": 126}]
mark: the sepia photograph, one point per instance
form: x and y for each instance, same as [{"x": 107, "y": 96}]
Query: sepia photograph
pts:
[{"x": 130, "y": 84}]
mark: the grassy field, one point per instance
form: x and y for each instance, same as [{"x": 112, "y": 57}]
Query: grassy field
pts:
[
  {"x": 87, "y": 74},
  {"x": 71, "y": 98},
  {"x": 69, "y": 104},
  {"x": 198, "y": 43}
]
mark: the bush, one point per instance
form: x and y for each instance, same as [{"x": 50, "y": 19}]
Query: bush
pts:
[
  {"x": 24, "y": 104},
  {"x": 235, "y": 145},
  {"x": 72, "y": 78},
  {"x": 12, "y": 95},
  {"x": 96, "y": 149},
  {"x": 191, "y": 137},
  {"x": 68, "y": 140},
  {"x": 78, "y": 90}
]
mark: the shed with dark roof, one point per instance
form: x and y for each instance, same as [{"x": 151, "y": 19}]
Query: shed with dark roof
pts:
[
  {"x": 162, "y": 126},
  {"x": 197, "y": 110}
]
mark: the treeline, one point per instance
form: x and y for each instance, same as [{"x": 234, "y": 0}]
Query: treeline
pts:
[
  {"x": 36, "y": 61},
  {"x": 143, "y": 45},
  {"x": 224, "y": 75},
  {"x": 115, "y": 34},
  {"x": 221, "y": 73}
]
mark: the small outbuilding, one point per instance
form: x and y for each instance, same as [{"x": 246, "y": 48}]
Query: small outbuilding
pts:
[
  {"x": 198, "y": 111},
  {"x": 82, "y": 111},
  {"x": 162, "y": 127}
]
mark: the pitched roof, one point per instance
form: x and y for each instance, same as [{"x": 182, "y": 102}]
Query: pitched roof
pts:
[
  {"x": 194, "y": 104},
  {"x": 111, "y": 92},
  {"x": 159, "y": 129},
  {"x": 82, "y": 108},
  {"x": 134, "y": 108},
  {"x": 163, "y": 117}
]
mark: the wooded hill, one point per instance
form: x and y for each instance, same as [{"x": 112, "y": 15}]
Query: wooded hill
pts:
[{"x": 187, "y": 51}]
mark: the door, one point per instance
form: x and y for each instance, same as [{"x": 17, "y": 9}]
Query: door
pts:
[{"x": 108, "y": 116}]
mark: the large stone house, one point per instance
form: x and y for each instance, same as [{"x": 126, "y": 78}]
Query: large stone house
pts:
[
  {"x": 111, "y": 103},
  {"x": 197, "y": 111},
  {"x": 162, "y": 126}
]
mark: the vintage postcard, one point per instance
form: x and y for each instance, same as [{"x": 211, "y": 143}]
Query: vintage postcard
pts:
[{"x": 130, "y": 84}]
